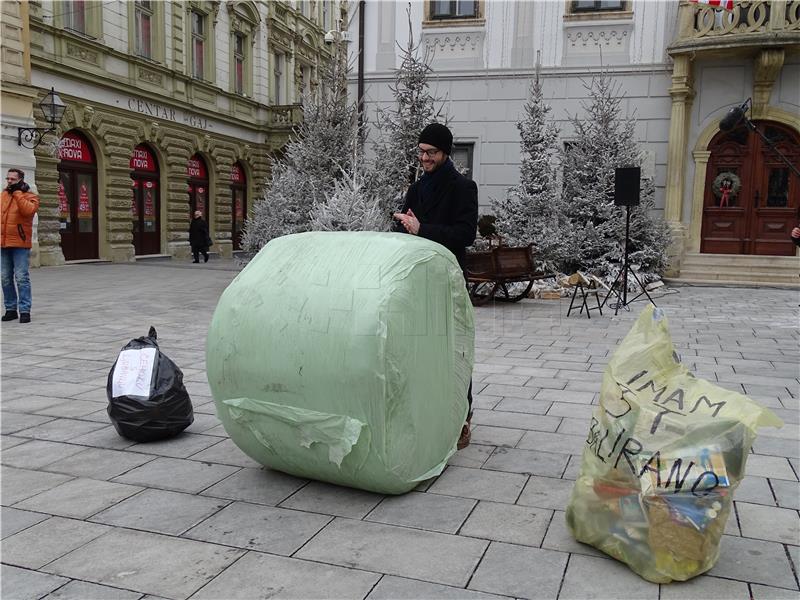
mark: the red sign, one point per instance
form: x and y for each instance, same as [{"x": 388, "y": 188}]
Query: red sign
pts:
[
  {"x": 63, "y": 205},
  {"x": 84, "y": 206},
  {"x": 196, "y": 168},
  {"x": 142, "y": 159},
  {"x": 134, "y": 208},
  {"x": 238, "y": 210},
  {"x": 237, "y": 174},
  {"x": 148, "y": 203},
  {"x": 74, "y": 148}
]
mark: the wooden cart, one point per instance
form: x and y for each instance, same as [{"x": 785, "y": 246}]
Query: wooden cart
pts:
[{"x": 495, "y": 269}]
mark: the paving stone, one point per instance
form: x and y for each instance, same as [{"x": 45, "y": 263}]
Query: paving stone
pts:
[
  {"x": 424, "y": 555},
  {"x": 528, "y": 462},
  {"x": 160, "y": 511},
  {"x": 202, "y": 423},
  {"x": 592, "y": 577},
  {"x": 520, "y": 405},
  {"x": 60, "y": 430},
  {"x": 519, "y": 571},
  {"x": 263, "y": 576},
  {"x": 79, "y": 498},
  {"x": 765, "y": 592},
  {"x": 37, "y": 453},
  {"x": 49, "y": 540},
  {"x": 9, "y": 441},
  {"x": 261, "y": 486},
  {"x": 755, "y": 489},
  {"x": 558, "y": 537},
  {"x": 506, "y": 379},
  {"x": 769, "y": 523},
  {"x": 70, "y": 408},
  {"x": 479, "y": 484},
  {"x": 565, "y": 396},
  {"x": 496, "y": 436},
  {"x": 181, "y": 446},
  {"x": 399, "y": 588},
  {"x": 106, "y": 437},
  {"x": 521, "y": 525},
  {"x": 472, "y": 456},
  {"x": 53, "y": 389},
  {"x": 177, "y": 474},
  {"x": 708, "y": 588},
  {"x": 431, "y": 512},
  {"x": 18, "y": 484},
  {"x": 496, "y": 418},
  {"x": 13, "y": 520},
  {"x": 573, "y": 426},
  {"x": 510, "y": 391},
  {"x": 83, "y": 590},
  {"x": 98, "y": 463},
  {"x": 12, "y": 422},
  {"x": 22, "y": 584},
  {"x": 225, "y": 452},
  {"x": 536, "y": 372},
  {"x": 29, "y": 404},
  {"x": 258, "y": 527},
  {"x": 329, "y": 499},
  {"x": 755, "y": 561},
  {"x": 552, "y": 442},
  {"x": 787, "y": 493},
  {"x": 777, "y": 446},
  {"x": 546, "y": 492},
  {"x": 146, "y": 562},
  {"x": 575, "y": 411},
  {"x": 770, "y": 466}
]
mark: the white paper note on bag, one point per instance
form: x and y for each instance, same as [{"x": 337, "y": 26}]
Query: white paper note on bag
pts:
[{"x": 134, "y": 372}]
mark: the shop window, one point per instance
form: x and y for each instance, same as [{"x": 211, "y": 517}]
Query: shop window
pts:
[
  {"x": 198, "y": 44},
  {"x": 592, "y": 6},
  {"x": 144, "y": 28},
  {"x": 454, "y": 9},
  {"x": 462, "y": 158}
]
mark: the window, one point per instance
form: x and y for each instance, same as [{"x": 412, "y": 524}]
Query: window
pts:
[
  {"x": 305, "y": 78},
  {"x": 579, "y": 6},
  {"x": 239, "y": 63},
  {"x": 144, "y": 20},
  {"x": 198, "y": 44},
  {"x": 454, "y": 9},
  {"x": 326, "y": 15},
  {"x": 75, "y": 15},
  {"x": 277, "y": 75},
  {"x": 462, "y": 158}
]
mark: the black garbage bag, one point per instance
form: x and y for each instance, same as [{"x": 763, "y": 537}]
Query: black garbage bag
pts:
[{"x": 147, "y": 400}]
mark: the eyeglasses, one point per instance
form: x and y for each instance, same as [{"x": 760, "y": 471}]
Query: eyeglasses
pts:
[{"x": 429, "y": 153}]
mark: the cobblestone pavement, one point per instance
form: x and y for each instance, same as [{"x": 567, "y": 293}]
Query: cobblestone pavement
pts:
[{"x": 87, "y": 514}]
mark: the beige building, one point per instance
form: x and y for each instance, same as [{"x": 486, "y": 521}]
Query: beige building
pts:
[{"x": 172, "y": 107}]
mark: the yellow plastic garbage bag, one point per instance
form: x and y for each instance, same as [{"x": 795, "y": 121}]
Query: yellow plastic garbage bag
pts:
[
  {"x": 345, "y": 357},
  {"x": 663, "y": 457}
]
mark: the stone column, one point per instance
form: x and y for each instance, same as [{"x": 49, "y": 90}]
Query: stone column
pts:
[
  {"x": 698, "y": 194},
  {"x": 176, "y": 196},
  {"x": 224, "y": 158},
  {"x": 119, "y": 225},
  {"x": 48, "y": 230},
  {"x": 682, "y": 94}
]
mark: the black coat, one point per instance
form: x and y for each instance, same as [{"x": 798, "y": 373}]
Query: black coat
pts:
[
  {"x": 450, "y": 216},
  {"x": 198, "y": 234}
]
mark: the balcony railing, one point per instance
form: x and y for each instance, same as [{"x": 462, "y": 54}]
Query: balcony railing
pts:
[
  {"x": 285, "y": 115},
  {"x": 750, "y": 23}
]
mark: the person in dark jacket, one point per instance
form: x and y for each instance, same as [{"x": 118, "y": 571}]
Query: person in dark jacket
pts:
[
  {"x": 796, "y": 236},
  {"x": 442, "y": 206},
  {"x": 198, "y": 237}
]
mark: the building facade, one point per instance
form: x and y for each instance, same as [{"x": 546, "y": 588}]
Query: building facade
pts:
[
  {"x": 681, "y": 67},
  {"x": 172, "y": 107}
]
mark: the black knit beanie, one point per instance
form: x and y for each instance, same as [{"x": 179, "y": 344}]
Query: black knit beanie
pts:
[{"x": 437, "y": 135}]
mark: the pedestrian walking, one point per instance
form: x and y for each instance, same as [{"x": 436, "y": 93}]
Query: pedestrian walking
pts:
[
  {"x": 796, "y": 235},
  {"x": 199, "y": 239},
  {"x": 19, "y": 205},
  {"x": 442, "y": 206}
]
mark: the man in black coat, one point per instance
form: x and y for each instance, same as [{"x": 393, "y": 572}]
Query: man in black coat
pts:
[
  {"x": 442, "y": 206},
  {"x": 198, "y": 237}
]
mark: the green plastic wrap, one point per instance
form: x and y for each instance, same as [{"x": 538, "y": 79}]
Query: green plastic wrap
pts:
[
  {"x": 345, "y": 357},
  {"x": 664, "y": 455}
]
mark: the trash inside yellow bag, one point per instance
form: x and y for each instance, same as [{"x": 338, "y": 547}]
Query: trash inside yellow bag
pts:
[
  {"x": 664, "y": 455},
  {"x": 345, "y": 357}
]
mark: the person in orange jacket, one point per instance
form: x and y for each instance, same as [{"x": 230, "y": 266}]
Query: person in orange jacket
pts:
[{"x": 18, "y": 207}]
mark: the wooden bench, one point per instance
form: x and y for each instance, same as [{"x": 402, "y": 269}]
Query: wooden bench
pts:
[{"x": 495, "y": 269}]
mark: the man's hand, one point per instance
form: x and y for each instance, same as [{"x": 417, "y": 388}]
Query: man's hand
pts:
[
  {"x": 409, "y": 221},
  {"x": 796, "y": 232}
]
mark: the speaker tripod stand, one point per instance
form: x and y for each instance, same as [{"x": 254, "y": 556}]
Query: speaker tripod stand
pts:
[{"x": 622, "y": 277}]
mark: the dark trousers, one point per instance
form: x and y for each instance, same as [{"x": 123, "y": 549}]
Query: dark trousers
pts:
[
  {"x": 469, "y": 401},
  {"x": 196, "y": 252}
]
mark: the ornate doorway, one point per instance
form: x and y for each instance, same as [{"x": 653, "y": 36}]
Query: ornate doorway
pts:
[
  {"x": 238, "y": 204},
  {"x": 77, "y": 198},
  {"x": 197, "y": 172},
  {"x": 146, "y": 202},
  {"x": 752, "y": 198}
]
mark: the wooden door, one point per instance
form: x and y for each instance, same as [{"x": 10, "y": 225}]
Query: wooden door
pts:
[
  {"x": 751, "y": 199},
  {"x": 145, "y": 212},
  {"x": 78, "y": 212}
]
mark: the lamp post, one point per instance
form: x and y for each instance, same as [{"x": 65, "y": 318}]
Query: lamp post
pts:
[{"x": 53, "y": 110}]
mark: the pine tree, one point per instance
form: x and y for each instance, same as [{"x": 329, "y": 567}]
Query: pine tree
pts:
[
  {"x": 604, "y": 140},
  {"x": 530, "y": 212},
  {"x": 399, "y": 125},
  {"x": 304, "y": 175}
]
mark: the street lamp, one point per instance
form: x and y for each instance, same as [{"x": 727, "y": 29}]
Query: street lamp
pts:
[{"x": 53, "y": 110}]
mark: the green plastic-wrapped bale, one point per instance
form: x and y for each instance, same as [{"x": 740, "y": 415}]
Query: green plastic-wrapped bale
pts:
[{"x": 345, "y": 357}]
